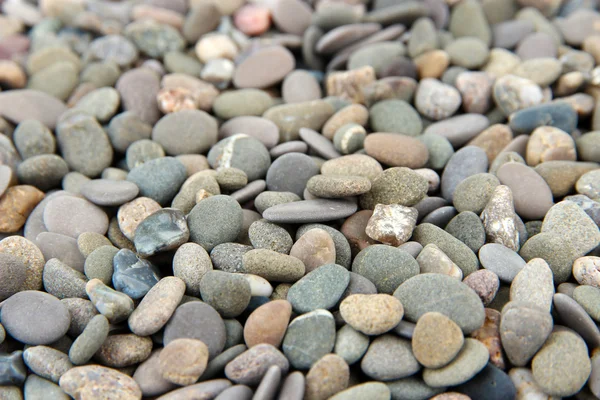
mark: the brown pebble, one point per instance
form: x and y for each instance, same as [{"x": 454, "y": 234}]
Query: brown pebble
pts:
[
  {"x": 432, "y": 64},
  {"x": 436, "y": 340},
  {"x": 182, "y": 361},
  {"x": 264, "y": 68},
  {"x": 326, "y": 377},
  {"x": 354, "y": 230},
  {"x": 489, "y": 335},
  {"x": 15, "y": 206},
  {"x": 485, "y": 283},
  {"x": 97, "y": 382},
  {"x": 314, "y": 248},
  {"x": 268, "y": 323},
  {"x": 396, "y": 150},
  {"x": 493, "y": 140},
  {"x": 12, "y": 75},
  {"x": 123, "y": 350}
]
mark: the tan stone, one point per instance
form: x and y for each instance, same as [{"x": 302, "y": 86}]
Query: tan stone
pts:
[{"x": 15, "y": 206}]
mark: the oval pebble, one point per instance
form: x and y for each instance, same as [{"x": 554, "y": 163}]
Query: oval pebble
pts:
[
  {"x": 264, "y": 68},
  {"x": 104, "y": 192}
]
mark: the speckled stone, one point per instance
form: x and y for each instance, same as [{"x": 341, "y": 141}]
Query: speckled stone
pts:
[
  {"x": 396, "y": 185},
  {"x": 371, "y": 314},
  {"x": 320, "y": 289},
  {"x": 436, "y": 288},
  {"x": 395, "y": 116},
  {"x": 389, "y": 358},
  {"x": 472, "y": 358},
  {"x": 159, "y": 179},
  {"x": 215, "y": 220},
  {"x": 315, "y": 248},
  {"x": 436, "y": 340},
  {"x": 387, "y": 267},
  {"x": 250, "y": 367}
]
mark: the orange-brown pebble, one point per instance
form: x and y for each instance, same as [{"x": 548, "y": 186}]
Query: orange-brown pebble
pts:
[
  {"x": 12, "y": 75},
  {"x": 15, "y": 206},
  {"x": 253, "y": 19},
  {"x": 489, "y": 335},
  {"x": 268, "y": 323}
]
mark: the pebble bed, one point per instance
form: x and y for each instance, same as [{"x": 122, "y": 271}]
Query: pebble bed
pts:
[{"x": 299, "y": 199}]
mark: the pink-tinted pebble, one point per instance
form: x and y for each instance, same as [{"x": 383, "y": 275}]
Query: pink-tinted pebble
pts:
[{"x": 252, "y": 19}]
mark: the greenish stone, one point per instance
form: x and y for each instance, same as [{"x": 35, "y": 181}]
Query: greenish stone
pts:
[
  {"x": 321, "y": 288},
  {"x": 396, "y": 116}
]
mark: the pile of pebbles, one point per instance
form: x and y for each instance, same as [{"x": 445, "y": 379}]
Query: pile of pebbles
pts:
[{"x": 299, "y": 199}]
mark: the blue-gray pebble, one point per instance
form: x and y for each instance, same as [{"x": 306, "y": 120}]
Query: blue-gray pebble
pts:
[{"x": 132, "y": 275}]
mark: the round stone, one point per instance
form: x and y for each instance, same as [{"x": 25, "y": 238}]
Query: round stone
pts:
[
  {"x": 474, "y": 192},
  {"x": 567, "y": 350},
  {"x": 468, "y": 52},
  {"x": 299, "y": 86},
  {"x": 260, "y": 128},
  {"x": 44, "y": 171},
  {"x": 395, "y": 116},
  {"x": 321, "y": 288},
  {"x": 251, "y": 366},
  {"x": 436, "y": 100},
  {"x": 35, "y": 318},
  {"x": 104, "y": 192},
  {"x": 387, "y": 267},
  {"x": 315, "y": 248},
  {"x": 233, "y": 152},
  {"x": 389, "y": 358},
  {"x": 353, "y": 165},
  {"x": 215, "y": 220},
  {"x": 430, "y": 292},
  {"x": 264, "y": 68},
  {"x": 185, "y": 132},
  {"x": 227, "y": 293},
  {"x": 436, "y": 340},
  {"x": 298, "y": 346},
  {"x": 159, "y": 179},
  {"x": 327, "y": 377},
  {"x": 466, "y": 162},
  {"x": 290, "y": 173},
  {"x": 268, "y": 323},
  {"x": 501, "y": 260},
  {"x": 183, "y": 361},
  {"x": 197, "y": 320},
  {"x": 399, "y": 185},
  {"x": 32, "y": 138},
  {"x": 371, "y": 314},
  {"x": 266, "y": 235},
  {"x": 133, "y": 275}
]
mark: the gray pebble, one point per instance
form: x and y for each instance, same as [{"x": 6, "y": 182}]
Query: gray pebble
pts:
[
  {"x": 62, "y": 281},
  {"x": 387, "y": 267},
  {"x": 105, "y": 192},
  {"x": 298, "y": 346},
  {"x": 215, "y": 220},
  {"x": 228, "y": 257},
  {"x": 190, "y": 263},
  {"x": 99, "y": 263},
  {"x": 501, "y": 260},
  {"x": 233, "y": 152},
  {"x": 162, "y": 230},
  {"x": 266, "y": 235},
  {"x": 290, "y": 173},
  {"x": 133, "y": 275},
  {"x": 227, "y": 293},
  {"x": 32, "y": 138},
  {"x": 321, "y": 288},
  {"x": 159, "y": 179},
  {"x": 389, "y": 358},
  {"x": 90, "y": 340}
]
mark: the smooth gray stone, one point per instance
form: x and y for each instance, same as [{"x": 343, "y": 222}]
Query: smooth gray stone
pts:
[{"x": 310, "y": 211}]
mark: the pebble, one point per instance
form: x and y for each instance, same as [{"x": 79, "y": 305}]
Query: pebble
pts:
[
  {"x": 471, "y": 359},
  {"x": 327, "y": 377},
  {"x": 385, "y": 266},
  {"x": 458, "y": 130},
  {"x": 173, "y": 132},
  {"x": 396, "y": 116},
  {"x": 104, "y": 192},
  {"x": 396, "y": 150},
  {"x": 147, "y": 318},
  {"x": 25, "y": 312},
  {"x": 436, "y": 100},
  {"x": 183, "y": 361},
  {"x": 586, "y": 297},
  {"x": 412, "y": 387},
  {"x": 39, "y": 105},
  {"x": 531, "y": 194},
  {"x": 216, "y": 287},
  {"x": 90, "y": 340},
  {"x": 104, "y": 382},
  {"x": 163, "y": 230},
  {"x": 436, "y": 340},
  {"x": 266, "y": 235},
  {"x": 99, "y": 263},
  {"x": 197, "y": 320},
  {"x": 474, "y": 192},
  {"x": 577, "y": 227},
  {"x": 47, "y": 362},
  {"x": 501, "y": 260},
  {"x": 232, "y": 151},
  {"x": 389, "y": 358},
  {"x": 36, "y": 388},
  {"x": 561, "y": 114},
  {"x": 391, "y": 224},
  {"x": 586, "y": 271},
  {"x": 350, "y": 114},
  {"x": 264, "y": 68},
  {"x": 586, "y": 185},
  {"x": 250, "y": 367},
  {"x": 318, "y": 143},
  {"x": 208, "y": 389},
  {"x": 466, "y": 309},
  {"x": 16, "y": 205},
  {"x": 534, "y": 284},
  {"x": 114, "y": 305},
  {"x": 350, "y": 344},
  {"x": 215, "y": 220},
  {"x": 567, "y": 350},
  {"x": 500, "y": 221},
  {"x": 310, "y": 211},
  {"x": 302, "y": 352},
  {"x": 339, "y": 186},
  {"x": 353, "y": 165},
  {"x": 62, "y": 281},
  {"x": 371, "y": 314},
  {"x": 159, "y": 179},
  {"x": 396, "y": 185},
  {"x": 485, "y": 283},
  {"x": 491, "y": 382},
  {"x": 132, "y": 275},
  {"x": 523, "y": 330},
  {"x": 321, "y": 288}
]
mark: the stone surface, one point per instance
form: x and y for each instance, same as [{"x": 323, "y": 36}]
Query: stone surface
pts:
[{"x": 436, "y": 340}]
